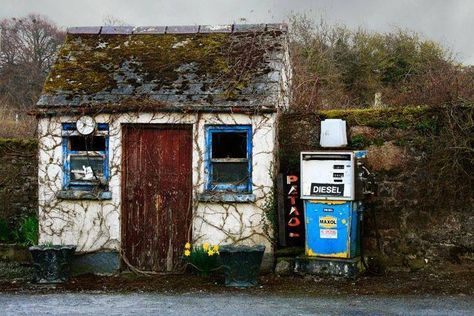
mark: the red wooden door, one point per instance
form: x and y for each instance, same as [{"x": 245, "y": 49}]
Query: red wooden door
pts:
[{"x": 156, "y": 194}]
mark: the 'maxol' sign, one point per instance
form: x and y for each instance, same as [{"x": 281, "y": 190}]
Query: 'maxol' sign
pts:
[
  {"x": 327, "y": 189},
  {"x": 327, "y": 221}
]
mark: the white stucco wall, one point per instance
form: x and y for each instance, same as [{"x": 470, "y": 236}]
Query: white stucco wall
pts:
[{"x": 95, "y": 225}]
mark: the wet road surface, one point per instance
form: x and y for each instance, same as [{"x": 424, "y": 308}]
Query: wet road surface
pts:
[{"x": 228, "y": 304}]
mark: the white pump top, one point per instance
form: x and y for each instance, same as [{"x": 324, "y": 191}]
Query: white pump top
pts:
[{"x": 333, "y": 133}]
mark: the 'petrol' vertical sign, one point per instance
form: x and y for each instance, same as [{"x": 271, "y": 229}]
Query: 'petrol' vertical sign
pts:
[{"x": 293, "y": 212}]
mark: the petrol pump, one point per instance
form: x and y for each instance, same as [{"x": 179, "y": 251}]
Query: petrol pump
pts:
[{"x": 333, "y": 184}]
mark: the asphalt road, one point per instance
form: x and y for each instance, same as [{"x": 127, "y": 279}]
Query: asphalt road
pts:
[{"x": 228, "y": 304}]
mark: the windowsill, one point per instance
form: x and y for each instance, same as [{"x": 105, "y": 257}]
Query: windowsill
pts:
[
  {"x": 233, "y": 197},
  {"x": 84, "y": 195}
]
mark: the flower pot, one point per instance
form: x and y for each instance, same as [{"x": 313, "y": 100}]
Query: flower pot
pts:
[
  {"x": 241, "y": 264},
  {"x": 52, "y": 263}
]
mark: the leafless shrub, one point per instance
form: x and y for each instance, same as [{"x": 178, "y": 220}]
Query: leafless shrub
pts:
[
  {"x": 336, "y": 67},
  {"x": 447, "y": 166},
  {"x": 15, "y": 123}
]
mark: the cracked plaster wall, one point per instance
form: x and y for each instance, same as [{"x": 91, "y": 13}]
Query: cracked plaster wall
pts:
[{"x": 95, "y": 225}]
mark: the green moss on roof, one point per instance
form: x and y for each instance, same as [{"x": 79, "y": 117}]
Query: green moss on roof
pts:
[{"x": 89, "y": 64}]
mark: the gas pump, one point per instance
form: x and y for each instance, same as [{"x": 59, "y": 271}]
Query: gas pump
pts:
[
  {"x": 331, "y": 210},
  {"x": 333, "y": 186}
]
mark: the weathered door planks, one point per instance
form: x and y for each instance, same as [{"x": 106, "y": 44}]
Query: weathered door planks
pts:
[{"x": 156, "y": 194}]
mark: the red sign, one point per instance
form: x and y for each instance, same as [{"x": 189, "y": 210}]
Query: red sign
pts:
[{"x": 293, "y": 212}]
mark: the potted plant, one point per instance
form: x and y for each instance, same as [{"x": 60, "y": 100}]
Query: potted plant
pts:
[
  {"x": 52, "y": 263},
  {"x": 241, "y": 264},
  {"x": 203, "y": 259}
]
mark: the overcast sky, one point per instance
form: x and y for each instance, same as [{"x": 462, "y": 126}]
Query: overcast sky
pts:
[{"x": 450, "y": 22}]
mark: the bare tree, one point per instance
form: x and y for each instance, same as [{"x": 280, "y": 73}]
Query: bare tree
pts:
[{"x": 27, "y": 51}]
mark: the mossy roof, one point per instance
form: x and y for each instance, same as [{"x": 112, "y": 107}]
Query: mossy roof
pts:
[{"x": 228, "y": 68}]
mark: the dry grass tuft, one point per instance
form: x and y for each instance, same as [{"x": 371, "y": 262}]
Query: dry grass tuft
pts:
[{"x": 16, "y": 124}]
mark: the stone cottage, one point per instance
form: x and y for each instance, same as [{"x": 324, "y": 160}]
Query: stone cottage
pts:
[{"x": 150, "y": 137}]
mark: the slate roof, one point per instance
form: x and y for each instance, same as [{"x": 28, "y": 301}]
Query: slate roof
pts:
[{"x": 170, "y": 67}]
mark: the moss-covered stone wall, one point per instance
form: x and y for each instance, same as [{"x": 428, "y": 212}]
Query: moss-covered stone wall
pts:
[
  {"x": 18, "y": 180},
  {"x": 423, "y": 214}
]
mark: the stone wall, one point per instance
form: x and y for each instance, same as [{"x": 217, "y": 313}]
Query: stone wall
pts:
[
  {"x": 18, "y": 180},
  {"x": 421, "y": 216}
]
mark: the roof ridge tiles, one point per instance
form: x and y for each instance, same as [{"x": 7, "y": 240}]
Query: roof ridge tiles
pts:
[{"x": 178, "y": 29}]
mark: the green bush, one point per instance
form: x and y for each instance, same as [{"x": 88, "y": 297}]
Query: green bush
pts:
[
  {"x": 27, "y": 233},
  {"x": 359, "y": 141},
  {"x": 426, "y": 126}
]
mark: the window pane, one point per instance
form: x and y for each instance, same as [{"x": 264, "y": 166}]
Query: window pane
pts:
[
  {"x": 229, "y": 145},
  {"x": 90, "y": 143},
  {"x": 229, "y": 172},
  {"x": 84, "y": 169}
]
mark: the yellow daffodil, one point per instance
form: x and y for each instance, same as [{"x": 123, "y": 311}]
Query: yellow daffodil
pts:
[
  {"x": 187, "y": 246},
  {"x": 215, "y": 248},
  {"x": 187, "y": 252},
  {"x": 210, "y": 252},
  {"x": 205, "y": 246}
]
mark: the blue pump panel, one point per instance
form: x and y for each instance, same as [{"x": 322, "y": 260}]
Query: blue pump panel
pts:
[{"x": 332, "y": 229}]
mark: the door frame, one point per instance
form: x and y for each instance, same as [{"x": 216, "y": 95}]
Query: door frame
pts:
[{"x": 162, "y": 126}]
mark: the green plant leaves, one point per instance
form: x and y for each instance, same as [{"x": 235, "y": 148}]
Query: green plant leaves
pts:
[{"x": 26, "y": 233}]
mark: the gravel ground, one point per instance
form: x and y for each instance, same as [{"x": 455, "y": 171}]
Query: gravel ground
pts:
[
  {"x": 15, "y": 271},
  {"x": 460, "y": 282},
  {"x": 435, "y": 292},
  {"x": 229, "y": 304}
]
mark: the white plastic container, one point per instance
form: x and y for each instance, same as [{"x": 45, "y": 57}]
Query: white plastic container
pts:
[{"x": 333, "y": 133}]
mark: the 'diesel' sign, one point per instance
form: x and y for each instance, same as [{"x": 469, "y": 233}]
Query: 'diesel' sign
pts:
[
  {"x": 327, "y": 189},
  {"x": 327, "y": 175}
]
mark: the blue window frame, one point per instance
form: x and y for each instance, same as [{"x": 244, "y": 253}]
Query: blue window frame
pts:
[
  {"x": 85, "y": 158},
  {"x": 229, "y": 158}
]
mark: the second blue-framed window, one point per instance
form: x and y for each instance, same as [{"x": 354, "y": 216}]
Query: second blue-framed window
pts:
[{"x": 229, "y": 158}]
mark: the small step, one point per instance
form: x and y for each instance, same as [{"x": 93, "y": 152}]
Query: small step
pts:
[{"x": 347, "y": 268}]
